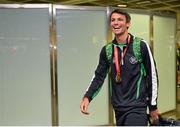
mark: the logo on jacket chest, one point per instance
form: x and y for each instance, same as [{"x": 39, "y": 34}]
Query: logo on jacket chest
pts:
[{"x": 133, "y": 60}]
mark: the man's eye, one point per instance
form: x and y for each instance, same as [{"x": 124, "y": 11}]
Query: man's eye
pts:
[
  {"x": 112, "y": 20},
  {"x": 120, "y": 19}
]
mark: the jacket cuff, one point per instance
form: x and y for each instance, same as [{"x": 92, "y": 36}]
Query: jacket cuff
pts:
[
  {"x": 89, "y": 98},
  {"x": 152, "y": 107}
]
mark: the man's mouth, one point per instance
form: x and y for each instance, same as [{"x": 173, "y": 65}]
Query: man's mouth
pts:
[{"x": 116, "y": 28}]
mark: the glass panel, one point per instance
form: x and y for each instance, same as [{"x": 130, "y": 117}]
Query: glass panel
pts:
[
  {"x": 165, "y": 55},
  {"x": 81, "y": 35},
  {"x": 25, "y": 97},
  {"x": 140, "y": 26}
]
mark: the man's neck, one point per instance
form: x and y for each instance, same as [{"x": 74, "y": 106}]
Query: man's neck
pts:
[{"x": 122, "y": 38}]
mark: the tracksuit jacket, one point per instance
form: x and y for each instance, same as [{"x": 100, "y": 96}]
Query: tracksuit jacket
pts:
[{"x": 124, "y": 93}]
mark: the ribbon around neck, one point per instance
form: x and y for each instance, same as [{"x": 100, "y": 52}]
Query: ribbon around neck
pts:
[{"x": 117, "y": 63}]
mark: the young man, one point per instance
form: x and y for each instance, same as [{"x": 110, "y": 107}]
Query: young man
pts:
[{"x": 134, "y": 82}]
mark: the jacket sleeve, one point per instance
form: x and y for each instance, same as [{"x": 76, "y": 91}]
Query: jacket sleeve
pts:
[
  {"x": 99, "y": 76},
  {"x": 152, "y": 76}
]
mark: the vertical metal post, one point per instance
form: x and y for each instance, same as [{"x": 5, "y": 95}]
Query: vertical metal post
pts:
[
  {"x": 109, "y": 39},
  {"x": 151, "y": 32},
  {"x": 53, "y": 66},
  {"x": 177, "y": 59}
]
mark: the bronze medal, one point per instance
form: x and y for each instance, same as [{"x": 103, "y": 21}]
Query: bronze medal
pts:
[{"x": 118, "y": 78}]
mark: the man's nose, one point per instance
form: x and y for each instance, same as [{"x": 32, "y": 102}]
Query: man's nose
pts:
[{"x": 116, "y": 22}]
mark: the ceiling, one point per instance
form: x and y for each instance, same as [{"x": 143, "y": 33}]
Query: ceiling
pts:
[{"x": 152, "y": 5}]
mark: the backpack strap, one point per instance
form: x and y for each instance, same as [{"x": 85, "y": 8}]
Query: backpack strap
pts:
[
  {"x": 137, "y": 48},
  {"x": 109, "y": 58},
  {"x": 138, "y": 55},
  {"x": 109, "y": 52},
  {"x": 137, "y": 52}
]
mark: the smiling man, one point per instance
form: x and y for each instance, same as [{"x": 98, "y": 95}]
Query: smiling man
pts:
[{"x": 134, "y": 80}]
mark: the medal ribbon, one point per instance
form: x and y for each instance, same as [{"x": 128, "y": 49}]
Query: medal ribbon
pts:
[{"x": 117, "y": 63}]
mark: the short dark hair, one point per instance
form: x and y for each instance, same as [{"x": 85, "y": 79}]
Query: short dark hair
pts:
[{"x": 122, "y": 12}]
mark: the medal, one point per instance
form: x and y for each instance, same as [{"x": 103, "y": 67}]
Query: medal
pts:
[
  {"x": 117, "y": 63},
  {"x": 118, "y": 78}
]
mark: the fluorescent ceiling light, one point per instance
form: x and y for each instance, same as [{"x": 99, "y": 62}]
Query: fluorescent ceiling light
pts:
[{"x": 122, "y": 5}]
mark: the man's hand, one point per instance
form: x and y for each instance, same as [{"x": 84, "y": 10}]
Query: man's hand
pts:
[
  {"x": 84, "y": 105},
  {"x": 155, "y": 114}
]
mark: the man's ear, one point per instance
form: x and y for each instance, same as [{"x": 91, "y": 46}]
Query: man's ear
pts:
[{"x": 128, "y": 24}]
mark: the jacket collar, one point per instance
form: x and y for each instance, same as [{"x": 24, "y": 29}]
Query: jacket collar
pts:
[{"x": 116, "y": 43}]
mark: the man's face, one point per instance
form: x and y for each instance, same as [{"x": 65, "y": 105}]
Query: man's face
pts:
[{"x": 119, "y": 24}]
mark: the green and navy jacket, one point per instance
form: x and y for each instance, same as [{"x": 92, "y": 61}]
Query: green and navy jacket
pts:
[{"x": 128, "y": 93}]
